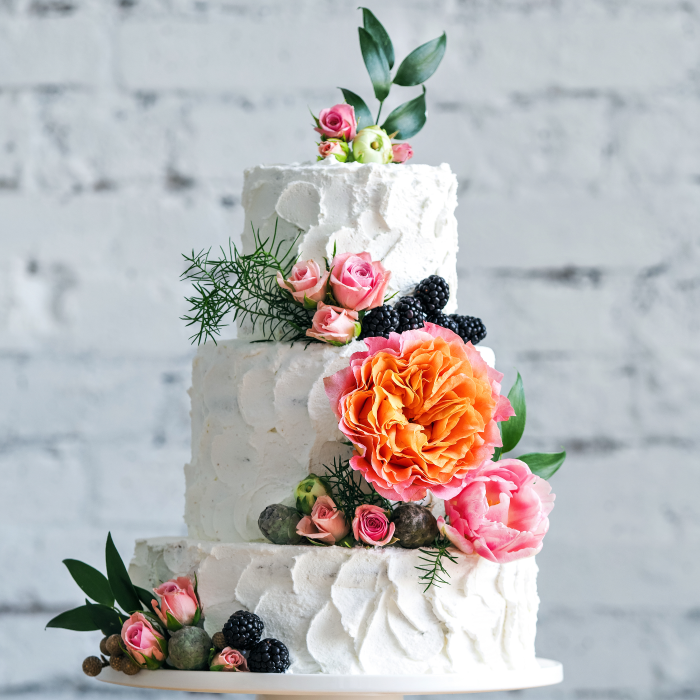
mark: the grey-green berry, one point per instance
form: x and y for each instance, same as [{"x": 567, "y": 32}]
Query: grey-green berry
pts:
[
  {"x": 415, "y": 525},
  {"x": 188, "y": 649},
  {"x": 279, "y": 524}
]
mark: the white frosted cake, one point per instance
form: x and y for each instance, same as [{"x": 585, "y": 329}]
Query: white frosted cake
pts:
[{"x": 262, "y": 422}]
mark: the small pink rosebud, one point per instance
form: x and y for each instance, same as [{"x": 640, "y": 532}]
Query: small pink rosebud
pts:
[
  {"x": 401, "y": 152},
  {"x": 338, "y": 122},
  {"x": 334, "y": 325},
  {"x": 371, "y": 526},
  {"x": 178, "y": 598},
  {"x": 230, "y": 659},
  {"x": 334, "y": 147},
  {"x": 143, "y": 641},
  {"x": 325, "y": 524},
  {"x": 306, "y": 283},
  {"x": 358, "y": 282}
]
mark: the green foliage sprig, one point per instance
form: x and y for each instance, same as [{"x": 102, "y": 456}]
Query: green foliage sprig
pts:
[
  {"x": 378, "y": 54},
  {"x": 245, "y": 286},
  {"x": 434, "y": 571},
  {"x": 543, "y": 464}
]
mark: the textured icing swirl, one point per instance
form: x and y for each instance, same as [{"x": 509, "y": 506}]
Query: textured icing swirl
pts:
[{"x": 360, "y": 611}]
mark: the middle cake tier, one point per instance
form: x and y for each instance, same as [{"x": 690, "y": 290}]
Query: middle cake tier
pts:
[{"x": 261, "y": 422}]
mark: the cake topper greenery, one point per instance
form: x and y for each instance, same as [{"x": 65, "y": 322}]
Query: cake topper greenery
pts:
[{"x": 349, "y": 132}]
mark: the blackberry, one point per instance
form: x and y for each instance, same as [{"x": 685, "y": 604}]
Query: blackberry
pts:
[
  {"x": 411, "y": 314},
  {"x": 444, "y": 321},
  {"x": 269, "y": 656},
  {"x": 433, "y": 293},
  {"x": 243, "y": 630},
  {"x": 470, "y": 328},
  {"x": 381, "y": 320}
]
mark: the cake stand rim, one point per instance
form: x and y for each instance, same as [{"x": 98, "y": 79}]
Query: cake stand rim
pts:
[{"x": 550, "y": 672}]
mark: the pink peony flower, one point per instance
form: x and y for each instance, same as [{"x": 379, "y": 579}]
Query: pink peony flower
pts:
[
  {"x": 338, "y": 122},
  {"x": 306, "y": 283},
  {"x": 230, "y": 659},
  {"x": 143, "y": 641},
  {"x": 357, "y": 282},
  {"x": 421, "y": 409},
  {"x": 501, "y": 513},
  {"x": 178, "y": 598},
  {"x": 334, "y": 325},
  {"x": 371, "y": 525},
  {"x": 325, "y": 524},
  {"x": 334, "y": 147},
  {"x": 401, "y": 152}
]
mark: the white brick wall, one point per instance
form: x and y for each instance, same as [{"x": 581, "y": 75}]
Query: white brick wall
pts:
[{"x": 574, "y": 128}]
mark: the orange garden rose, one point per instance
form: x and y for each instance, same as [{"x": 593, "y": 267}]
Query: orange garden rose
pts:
[{"x": 421, "y": 409}]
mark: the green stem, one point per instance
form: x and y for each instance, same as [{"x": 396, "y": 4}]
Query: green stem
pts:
[{"x": 380, "y": 111}]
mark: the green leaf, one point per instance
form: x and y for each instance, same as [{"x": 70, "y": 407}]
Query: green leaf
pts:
[
  {"x": 119, "y": 579},
  {"x": 376, "y": 64},
  {"x": 512, "y": 430},
  {"x": 544, "y": 464},
  {"x": 407, "y": 119},
  {"x": 91, "y": 581},
  {"x": 496, "y": 454},
  {"x": 106, "y": 619},
  {"x": 216, "y": 668},
  {"x": 145, "y": 597},
  {"x": 420, "y": 64},
  {"x": 78, "y": 620},
  {"x": 362, "y": 113},
  {"x": 152, "y": 664},
  {"x": 379, "y": 34},
  {"x": 173, "y": 625}
]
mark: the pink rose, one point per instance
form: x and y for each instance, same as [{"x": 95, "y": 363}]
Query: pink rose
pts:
[
  {"x": 334, "y": 147},
  {"x": 334, "y": 325},
  {"x": 371, "y": 525},
  {"x": 306, "y": 283},
  {"x": 230, "y": 659},
  {"x": 357, "y": 282},
  {"x": 146, "y": 646},
  {"x": 178, "y": 599},
  {"x": 501, "y": 513},
  {"x": 325, "y": 524},
  {"x": 401, "y": 152},
  {"x": 338, "y": 122}
]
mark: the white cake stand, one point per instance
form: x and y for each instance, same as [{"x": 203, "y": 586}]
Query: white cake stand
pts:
[{"x": 324, "y": 687}]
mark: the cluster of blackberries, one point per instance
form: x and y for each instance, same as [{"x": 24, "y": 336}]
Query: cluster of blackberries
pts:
[
  {"x": 243, "y": 631},
  {"x": 426, "y": 304}
]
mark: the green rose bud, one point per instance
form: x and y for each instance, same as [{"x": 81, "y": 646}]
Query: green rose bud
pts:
[
  {"x": 279, "y": 524},
  {"x": 188, "y": 649},
  {"x": 372, "y": 145},
  {"x": 308, "y": 490}
]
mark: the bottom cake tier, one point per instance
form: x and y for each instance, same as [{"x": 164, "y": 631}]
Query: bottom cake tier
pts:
[{"x": 359, "y": 611}]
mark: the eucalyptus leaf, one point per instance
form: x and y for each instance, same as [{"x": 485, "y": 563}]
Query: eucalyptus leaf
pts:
[
  {"x": 376, "y": 64},
  {"x": 362, "y": 113},
  {"x": 544, "y": 464},
  {"x": 79, "y": 620},
  {"x": 379, "y": 34},
  {"x": 407, "y": 119},
  {"x": 91, "y": 581},
  {"x": 106, "y": 619},
  {"x": 421, "y": 63},
  {"x": 119, "y": 579},
  {"x": 512, "y": 430}
]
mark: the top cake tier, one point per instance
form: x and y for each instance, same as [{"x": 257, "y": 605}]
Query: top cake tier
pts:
[{"x": 402, "y": 215}]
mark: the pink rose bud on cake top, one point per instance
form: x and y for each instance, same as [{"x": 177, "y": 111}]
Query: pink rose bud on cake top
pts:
[
  {"x": 371, "y": 526},
  {"x": 334, "y": 147},
  {"x": 325, "y": 524},
  {"x": 358, "y": 282},
  {"x": 230, "y": 660},
  {"x": 143, "y": 642},
  {"x": 501, "y": 513},
  {"x": 338, "y": 122},
  {"x": 306, "y": 283},
  {"x": 334, "y": 325},
  {"x": 179, "y": 606},
  {"x": 401, "y": 152}
]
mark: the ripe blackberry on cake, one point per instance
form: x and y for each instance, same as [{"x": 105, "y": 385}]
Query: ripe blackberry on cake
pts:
[
  {"x": 381, "y": 320},
  {"x": 269, "y": 656},
  {"x": 470, "y": 328},
  {"x": 243, "y": 630},
  {"x": 444, "y": 321},
  {"x": 411, "y": 314},
  {"x": 433, "y": 293}
]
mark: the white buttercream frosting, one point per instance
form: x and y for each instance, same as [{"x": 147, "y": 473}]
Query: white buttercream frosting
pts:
[
  {"x": 402, "y": 215},
  {"x": 354, "y": 611},
  {"x": 261, "y": 422}
]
